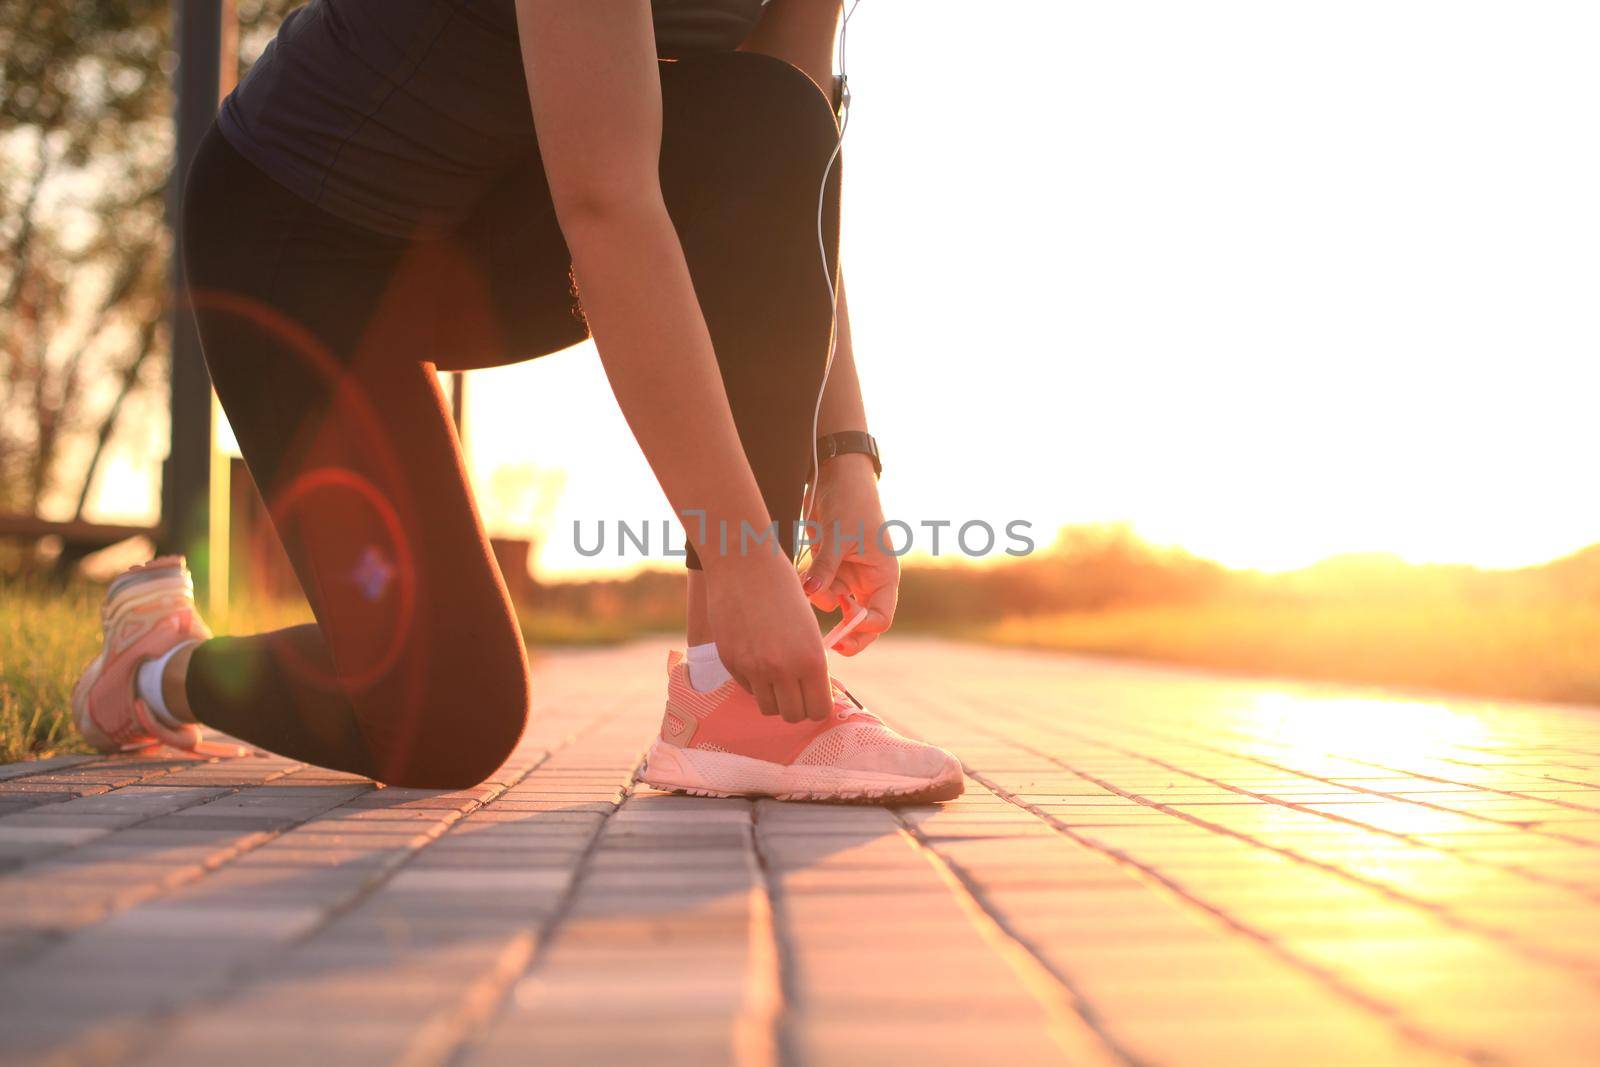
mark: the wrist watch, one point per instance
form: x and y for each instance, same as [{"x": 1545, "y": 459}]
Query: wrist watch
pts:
[{"x": 848, "y": 442}]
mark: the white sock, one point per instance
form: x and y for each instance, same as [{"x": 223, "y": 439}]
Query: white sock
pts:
[
  {"x": 148, "y": 683},
  {"x": 706, "y": 671}
]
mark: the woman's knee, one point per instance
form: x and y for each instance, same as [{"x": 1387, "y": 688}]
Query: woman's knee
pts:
[
  {"x": 460, "y": 761},
  {"x": 467, "y": 724}
]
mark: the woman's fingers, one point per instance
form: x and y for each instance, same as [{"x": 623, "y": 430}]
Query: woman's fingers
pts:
[
  {"x": 798, "y": 694},
  {"x": 821, "y": 582},
  {"x": 863, "y": 635},
  {"x": 791, "y": 704},
  {"x": 823, "y": 595},
  {"x": 766, "y": 699},
  {"x": 796, "y": 700},
  {"x": 880, "y": 616},
  {"x": 817, "y": 693}
]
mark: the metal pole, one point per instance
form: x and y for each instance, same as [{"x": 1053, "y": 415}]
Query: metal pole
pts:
[{"x": 199, "y": 34}]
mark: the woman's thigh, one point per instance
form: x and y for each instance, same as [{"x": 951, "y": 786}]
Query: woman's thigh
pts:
[
  {"x": 312, "y": 350},
  {"x": 502, "y": 284}
]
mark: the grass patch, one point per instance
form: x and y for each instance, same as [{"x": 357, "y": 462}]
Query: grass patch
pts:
[
  {"x": 1530, "y": 650},
  {"x": 46, "y": 637}
]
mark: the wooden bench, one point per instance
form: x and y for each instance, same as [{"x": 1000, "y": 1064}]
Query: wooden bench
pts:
[{"x": 78, "y": 538}]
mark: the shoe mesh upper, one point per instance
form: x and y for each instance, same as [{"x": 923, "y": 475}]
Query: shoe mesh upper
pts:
[{"x": 835, "y": 745}]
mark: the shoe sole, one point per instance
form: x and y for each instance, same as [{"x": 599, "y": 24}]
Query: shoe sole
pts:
[{"x": 702, "y": 773}]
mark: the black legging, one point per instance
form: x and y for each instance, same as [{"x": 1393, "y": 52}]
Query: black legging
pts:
[{"x": 322, "y": 339}]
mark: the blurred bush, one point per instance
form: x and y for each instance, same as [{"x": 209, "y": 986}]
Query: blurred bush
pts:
[{"x": 1088, "y": 568}]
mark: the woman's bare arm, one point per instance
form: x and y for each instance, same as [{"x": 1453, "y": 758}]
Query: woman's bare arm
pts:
[
  {"x": 595, "y": 92},
  {"x": 596, "y": 98}
]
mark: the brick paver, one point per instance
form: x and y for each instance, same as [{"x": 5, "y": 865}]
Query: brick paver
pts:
[{"x": 1150, "y": 867}]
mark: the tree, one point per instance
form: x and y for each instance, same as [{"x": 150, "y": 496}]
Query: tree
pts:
[
  {"x": 85, "y": 140},
  {"x": 85, "y": 157}
]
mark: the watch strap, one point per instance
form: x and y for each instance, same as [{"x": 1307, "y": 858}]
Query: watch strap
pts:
[{"x": 849, "y": 442}]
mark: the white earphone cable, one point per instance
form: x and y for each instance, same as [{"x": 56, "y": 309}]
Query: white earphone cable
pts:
[{"x": 808, "y": 498}]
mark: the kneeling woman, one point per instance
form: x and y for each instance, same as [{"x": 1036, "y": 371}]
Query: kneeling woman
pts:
[{"x": 405, "y": 185}]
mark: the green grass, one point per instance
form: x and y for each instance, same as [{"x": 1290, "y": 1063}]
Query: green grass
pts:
[
  {"x": 46, "y": 637},
  {"x": 1532, "y": 650}
]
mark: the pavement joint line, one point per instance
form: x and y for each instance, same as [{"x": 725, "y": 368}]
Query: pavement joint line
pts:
[
  {"x": 771, "y": 965},
  {"x": 1056, "y": 992},
  {"x": 1329, "y": 979},
  {"x": 447, "y": 1035},
  {"x": 1574, "y": 767},
  {"x": 1495, "y": 934},
  {"x": 1074, "y": 1021},
  {"x": 447, "y": 1031},
  {"x": 492, "y": 991},
  {"x": 1565, "y": 781},
  {"x": 12, "y": 771},
  {"x": 1492, "y": 789}
]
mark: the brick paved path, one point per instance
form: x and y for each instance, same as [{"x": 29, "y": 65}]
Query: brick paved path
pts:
[{"x": 1149, "y": 867}]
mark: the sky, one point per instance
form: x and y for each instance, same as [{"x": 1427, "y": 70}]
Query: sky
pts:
[{"x": 1268, "y": 281}]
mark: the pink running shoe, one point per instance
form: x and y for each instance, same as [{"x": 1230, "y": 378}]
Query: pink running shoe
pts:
[
  {"x": 148, "y": 609},
  {"x": 719, "y": 744}
]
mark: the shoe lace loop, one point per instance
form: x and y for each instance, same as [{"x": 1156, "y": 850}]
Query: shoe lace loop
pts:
[{"x": 846, "y": 705}]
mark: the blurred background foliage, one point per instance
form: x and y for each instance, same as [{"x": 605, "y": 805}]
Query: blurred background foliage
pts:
[{"x": 85, "y": 158}]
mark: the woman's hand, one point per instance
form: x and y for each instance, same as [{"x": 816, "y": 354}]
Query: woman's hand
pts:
[
  {"x": 766, "y": 635},
  {"x": 849, "y": 556}
]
